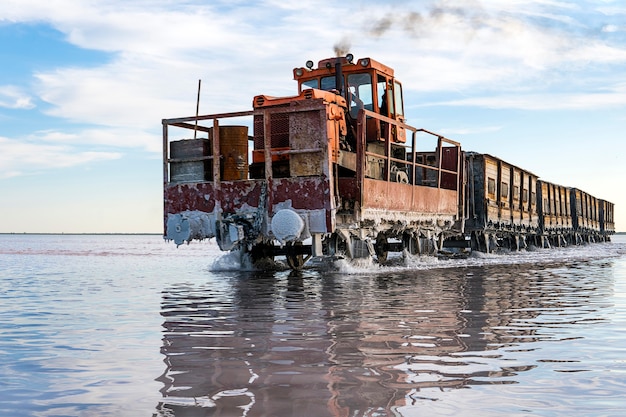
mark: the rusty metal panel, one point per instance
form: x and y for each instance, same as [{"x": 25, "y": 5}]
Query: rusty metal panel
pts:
[
  {"x": 531, "y": 204},
  {"x": 504, "y": 193},
  {"x": 404, "y": 197},
  {"x": 183, "y": 197},
  {"x": 606, "y": 213},
  {"x": 237, "y": 194},
  {"x": 347, "y": 188},
  {"x": 492, "y": 180},
  {"x": 306, "y": 194},
  {"x": 523, "y": 208},
  {"x": 586, "y": 217},
  {"x": 380, "y": 194},
  {"x": 307, "y": 130},
  {"x": 435, "y": 200},
  {"x": 500, "y": 195},
  {"x": 517, "y": 214},
  {"x": 563, "y": 208},
  {"x": 203, "y": 196},
  {"x": 311, "y": 193},
  {"x": 450, "y": 159},
  {"x": 554, "y": 208}
]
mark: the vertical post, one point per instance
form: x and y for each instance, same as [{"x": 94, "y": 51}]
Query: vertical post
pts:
[
  {"x": 195, "y": 129},
  {"x": 460, "y": 186},
  {"x": 216, "y": 154},
  {"x": 387, "y": 151},
  {"x": 414, "y": 157},
  {"x": 439, "y": 157},
  {"x": 361, "y": 160},
  {"x": 165, "y": 153},
  {"x": 267, "y": 144},
  {"x": 499, "y": 190},
  {"x": 165, "y": 172}
]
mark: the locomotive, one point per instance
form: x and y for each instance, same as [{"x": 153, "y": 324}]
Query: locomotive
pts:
[{"x": 335, "y": 171}]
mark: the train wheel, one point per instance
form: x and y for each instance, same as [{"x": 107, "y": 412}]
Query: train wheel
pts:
[
  {"x": 262, "y": 252},
  {"x": 295, "y": 257},
  {"x": 411, "y": 243},
  {"x": 381, "y": 248},
  {"x": 334, "y": 245}
]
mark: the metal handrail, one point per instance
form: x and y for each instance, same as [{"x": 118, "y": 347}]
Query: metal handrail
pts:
[
  {"x": 364, "y": 114},
  {"x": 184, "y": 123}
]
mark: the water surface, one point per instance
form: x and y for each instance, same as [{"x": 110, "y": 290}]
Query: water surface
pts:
[{"x": 130, "y": 326}]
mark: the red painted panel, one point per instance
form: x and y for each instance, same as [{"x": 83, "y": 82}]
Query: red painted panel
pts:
[
  {"x": 305, "y": 193},
  {"x": 404, "y": 197},
  {"x": 203, "y": 196}
]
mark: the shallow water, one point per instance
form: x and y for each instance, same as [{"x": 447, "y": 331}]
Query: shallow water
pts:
[{"x": 130, "y": 326}]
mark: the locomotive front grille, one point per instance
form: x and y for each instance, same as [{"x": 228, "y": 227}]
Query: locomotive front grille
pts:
[{"x": 279, "y": 130}]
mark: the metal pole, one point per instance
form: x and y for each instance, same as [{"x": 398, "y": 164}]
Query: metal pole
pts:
[{"x": 195, "y": 129}]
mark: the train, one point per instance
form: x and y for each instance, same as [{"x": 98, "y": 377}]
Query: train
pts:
[{"x": 334, "y": 171}]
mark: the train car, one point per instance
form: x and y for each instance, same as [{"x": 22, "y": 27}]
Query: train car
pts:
[
  {"x": 555, "y": 214},
  {"x": 585, "y": 216},
  {"x": 501, "y": 203},
  {"x": 607, "y": 221},
  {"x": 331, "y": 171},
  {"x": 335, "y": 171}
]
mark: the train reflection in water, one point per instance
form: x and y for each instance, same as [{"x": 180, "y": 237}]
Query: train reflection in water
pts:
[{"x": 261, "y": 344}]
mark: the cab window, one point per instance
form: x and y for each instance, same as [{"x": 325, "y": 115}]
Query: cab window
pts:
[
  {"x": 359, "y": 93},
  {"x": 314, "y": 83},
  {"x": 328, "y": 83},
  {"x": 381, "y": 92},
  {"x": 397, "y": 96}
]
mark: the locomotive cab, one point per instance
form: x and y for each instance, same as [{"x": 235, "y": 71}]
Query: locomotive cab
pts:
[{"x": 365, "y": 84}]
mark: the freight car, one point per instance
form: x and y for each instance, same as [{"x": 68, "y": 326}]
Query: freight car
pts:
[
  {"x": 556, "y": 214},
  {"x": 335, "y": 171},
  {"x": 502, "y": 209}
]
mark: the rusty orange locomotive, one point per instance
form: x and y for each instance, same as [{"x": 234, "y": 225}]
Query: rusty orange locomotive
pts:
[{"x": 335, "y": 171}]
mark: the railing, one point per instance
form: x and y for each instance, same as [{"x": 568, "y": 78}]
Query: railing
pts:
[
  {"x": 442, "y": 171},
  {"x": 436, "y": 174},
  {"x": 186, "y": 123}
]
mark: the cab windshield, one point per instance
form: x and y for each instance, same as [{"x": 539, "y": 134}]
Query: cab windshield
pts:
[{"x": 359, "y": 92}]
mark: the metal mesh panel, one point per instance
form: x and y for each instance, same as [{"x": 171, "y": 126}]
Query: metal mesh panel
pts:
[
  {"x": 279, "y": 129},
  {"x": 258, "y": 131}
]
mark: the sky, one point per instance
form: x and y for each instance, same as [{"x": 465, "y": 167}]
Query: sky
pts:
[{"x": 84, "y": 85}]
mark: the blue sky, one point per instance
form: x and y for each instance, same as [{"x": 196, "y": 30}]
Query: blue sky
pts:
[{"x": 84, "y": 86}]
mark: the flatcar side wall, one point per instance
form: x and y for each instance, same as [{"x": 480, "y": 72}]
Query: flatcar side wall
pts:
[
  {"x": 475, "y": 192},
  {"x": 427, "y": 202},
  {"x": 554, "y": 209},
  {"x": 607, "y": 225},
  {"x": 500, "y": 197},
  {"x": 524, "y": 209}
]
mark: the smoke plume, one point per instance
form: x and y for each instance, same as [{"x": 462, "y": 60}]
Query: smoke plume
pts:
[{"x": 342, "y": 47}]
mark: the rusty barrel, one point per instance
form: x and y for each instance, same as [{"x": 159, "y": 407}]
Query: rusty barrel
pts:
[
  {"x": 186, "y": 164},
  {"x": 234, "y": 152}
]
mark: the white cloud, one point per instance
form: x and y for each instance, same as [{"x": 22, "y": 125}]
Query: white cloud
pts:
[
  {"x": 114, "y": 138},
  {"x": 13, "y": 97},
  {"x": 505, "y": 55},
  {"x": 476, "y": 130},
  {"x": 614, "y": 97},
  {"x": 23, "y": 157}
]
